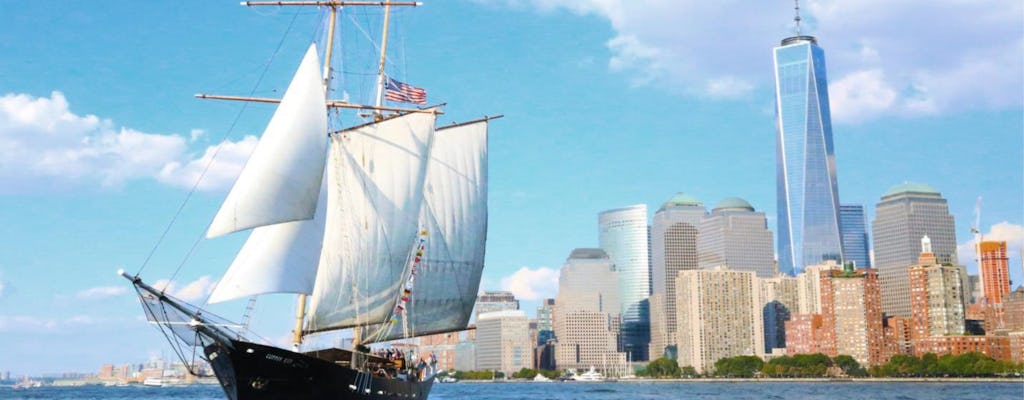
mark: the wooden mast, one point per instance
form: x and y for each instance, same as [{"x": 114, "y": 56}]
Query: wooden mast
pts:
[
  {"x": 300, "y": 312},
  {"x": 383, "y": 57}
]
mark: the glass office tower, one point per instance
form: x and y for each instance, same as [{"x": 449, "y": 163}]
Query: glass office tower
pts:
[
  {"x": 854, "y": 229},
  {"x": 623, "y": 235},
  {"x": 808, "y": 195}
]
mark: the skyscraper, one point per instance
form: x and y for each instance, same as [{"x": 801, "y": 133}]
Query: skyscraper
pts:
[
  {"x": 779, "y": 301},
  {"x": 809, "y": 286},
  {"x": 906, "y": 213},
  {"x": 503, "y": 342},
  {"x": 851, "y": 315},
  {"x": 995, "y": 271},
  {"x": 718, "y": 316},
  {"x": 936, "y": 297},
  {"x": 493, "y": 300},
  {"x": 623, "y": 235},
  {"x": 853, "y": 228},
  {"x": 807, "y": 192},
  {"x": 545, "y": 323},
  {"x": 673, "y": 249},
  {"x": 587, "y": 312},
  {"x": 736, "y": 236}
]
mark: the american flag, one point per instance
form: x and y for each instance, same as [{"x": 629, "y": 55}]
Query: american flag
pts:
[{"x": 405, "y": 93}]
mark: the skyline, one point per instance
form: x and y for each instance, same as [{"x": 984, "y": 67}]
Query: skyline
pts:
[{"x": 606, "y": 106}]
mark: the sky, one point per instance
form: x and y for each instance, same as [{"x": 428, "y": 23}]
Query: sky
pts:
[{"x": 607, "y": 103}]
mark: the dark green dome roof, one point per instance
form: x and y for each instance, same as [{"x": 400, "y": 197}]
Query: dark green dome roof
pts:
[
  {"x": 733, "y": 203},
  {"x": 680, "y": 199}
]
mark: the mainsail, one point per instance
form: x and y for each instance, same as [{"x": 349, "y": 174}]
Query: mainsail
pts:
[
  {"x": 279, "y": 258},
  {"x": 375, "y": 191},
  {"x": 281, "y": 180},
  {"x": 455, "y": 217}
]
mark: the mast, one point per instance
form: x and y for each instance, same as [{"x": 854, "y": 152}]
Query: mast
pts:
[
  {"x": 383, "y": 57},
  {"x": 300, "y": 312}
]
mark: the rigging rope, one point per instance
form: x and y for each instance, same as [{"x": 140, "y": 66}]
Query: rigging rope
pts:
[{"x": 206, "y": 168}]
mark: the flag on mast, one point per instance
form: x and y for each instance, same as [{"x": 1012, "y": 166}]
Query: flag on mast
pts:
[{"x": 403, "y": 92}]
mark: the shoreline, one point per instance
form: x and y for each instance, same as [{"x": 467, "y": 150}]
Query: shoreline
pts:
[{"x": 783, "y": 380}]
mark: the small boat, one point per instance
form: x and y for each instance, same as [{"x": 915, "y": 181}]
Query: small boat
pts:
[
  {"x": 541, "y": 378},
  {"x": 153, "y": 382},
  {"x": 590, "y": 376}
]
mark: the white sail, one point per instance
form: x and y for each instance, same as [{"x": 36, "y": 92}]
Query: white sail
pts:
[
  {"x": 375, "y": 191},
  {"x": 455, "y": 217},
  {"x": 281, "y": 180},
  {"x": 279, "y": 258}
]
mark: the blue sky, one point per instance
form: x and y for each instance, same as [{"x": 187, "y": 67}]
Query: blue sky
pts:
[{"x": 607, "y": 103}]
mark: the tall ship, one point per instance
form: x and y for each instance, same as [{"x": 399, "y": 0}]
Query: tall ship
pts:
[{"x": 377, "y": 224}]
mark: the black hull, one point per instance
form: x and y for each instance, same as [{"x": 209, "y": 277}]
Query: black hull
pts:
[{"x": 250, "y": 371}]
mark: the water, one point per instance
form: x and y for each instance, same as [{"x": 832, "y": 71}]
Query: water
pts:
[{"x": 779, "y": 390}]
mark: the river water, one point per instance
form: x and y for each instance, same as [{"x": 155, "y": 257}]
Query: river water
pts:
[{"x": 772, "y": 390}]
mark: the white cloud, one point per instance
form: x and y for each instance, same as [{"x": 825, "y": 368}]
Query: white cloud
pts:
[
  {"x": 859, "y": 95},
  {"x": 36, "y": 324},
  {"x": 42, "y": 140},
  {"x": 230, "y": 158},
  {"x": 728, "y": 87},
  {"x": 196, "y": 290},
  {"x": 1012, "y": 234},
  {"x": 44, "y": 145},
  {"x": 101, "y": 292},
  {"x": 925, "y": 56},
  {"x": 532, "y": 284},
  {"x": 196, "y": 134}
]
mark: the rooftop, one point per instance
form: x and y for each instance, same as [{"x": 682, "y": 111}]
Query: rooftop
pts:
[
  {"x": 682, "y": 200},
  {"x": 733, "y": 204},
  {"x": 910, "y": 187},
  {"x": 588, "y": 254}
]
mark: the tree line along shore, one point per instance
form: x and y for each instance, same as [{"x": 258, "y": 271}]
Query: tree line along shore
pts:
[{"x": 810, "y": 367}]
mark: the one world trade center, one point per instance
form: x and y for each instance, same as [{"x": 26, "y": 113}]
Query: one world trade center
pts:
[{"x": 808, "y": 195}]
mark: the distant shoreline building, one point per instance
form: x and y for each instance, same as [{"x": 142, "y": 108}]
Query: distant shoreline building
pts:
[
  {"x": 736, "y": 236},
  {"x": 995, "y": 270},
  {"x": 673, "y": 249},
  {"x": 718, "y": 316},
  {"x": 851, "y": 315},
  {"x": 623, "y": 234},
  {"x": 936, "y": 297},
  {"x": 586, "y": 312},
  {"x": 906, "y": 213},
  {"x": 495, "y": 300},
  {"x": 503, "y": 342},
  {"x": 853, "y": 227}
]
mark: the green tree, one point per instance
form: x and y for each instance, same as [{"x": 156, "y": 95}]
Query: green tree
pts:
[
  {"x": 525, "y": 373},
  {"x": 849, "y": 365},
  {"x": 663, "y": 368},
  {"x": 739, "y": 366},
  {"x": 688, "y": 371}
]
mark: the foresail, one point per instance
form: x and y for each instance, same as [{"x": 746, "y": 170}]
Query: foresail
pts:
[
  {"x": 375, "y": 191},
  {"x": 281, "y": 180},
  {"x": 279, "y": 258},
  {"x": 455, "y": 216}
]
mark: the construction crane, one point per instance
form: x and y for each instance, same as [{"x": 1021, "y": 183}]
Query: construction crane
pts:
[{"x": 976, "y": 230}]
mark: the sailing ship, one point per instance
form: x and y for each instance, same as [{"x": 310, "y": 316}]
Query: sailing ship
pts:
[{"x": 381, "y": 225}]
